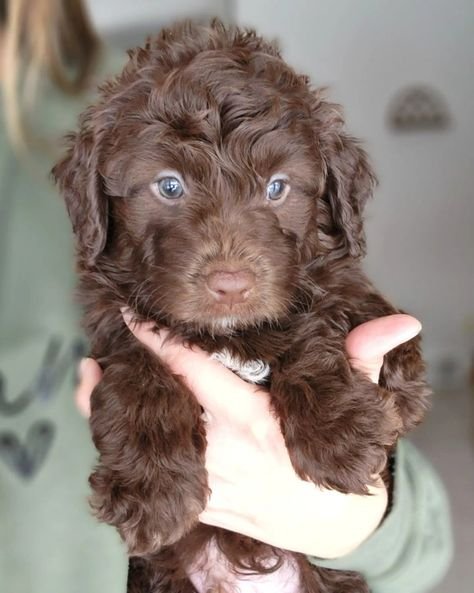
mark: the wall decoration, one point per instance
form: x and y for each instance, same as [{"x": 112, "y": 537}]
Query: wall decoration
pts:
[{"x": 418, "y": 108}]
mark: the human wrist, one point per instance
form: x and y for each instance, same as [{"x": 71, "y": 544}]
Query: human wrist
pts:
[{"x": 358, "y": 517}]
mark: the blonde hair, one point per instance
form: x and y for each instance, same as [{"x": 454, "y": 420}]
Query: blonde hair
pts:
[{"x": 43, "y": 37}]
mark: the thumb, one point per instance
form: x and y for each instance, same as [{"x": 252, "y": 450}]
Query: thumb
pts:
[
  {"x": 90, "y": 374},
  {"x": 367, "y": 344}
]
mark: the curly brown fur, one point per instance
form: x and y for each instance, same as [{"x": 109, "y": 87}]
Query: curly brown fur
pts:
[{"x": 220, "y": 107}]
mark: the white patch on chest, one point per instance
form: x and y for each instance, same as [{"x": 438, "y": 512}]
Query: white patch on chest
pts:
[{"x": 252, "y": 371}]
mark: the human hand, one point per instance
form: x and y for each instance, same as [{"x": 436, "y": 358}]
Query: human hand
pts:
[{"x": 254, "y": 489}]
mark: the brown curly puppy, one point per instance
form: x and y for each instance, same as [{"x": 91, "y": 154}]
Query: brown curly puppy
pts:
[{"x": 213, "y": 191}]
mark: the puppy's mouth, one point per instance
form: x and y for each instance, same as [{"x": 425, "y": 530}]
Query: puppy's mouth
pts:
[{"x": 230, "y": 295}]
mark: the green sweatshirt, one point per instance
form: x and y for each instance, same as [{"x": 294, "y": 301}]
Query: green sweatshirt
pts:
[{"x": 49, "y": 542}]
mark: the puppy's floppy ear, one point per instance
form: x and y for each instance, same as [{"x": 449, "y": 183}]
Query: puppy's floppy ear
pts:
[
  {"x": 80, "y": 183},
  {"x": 349, "y": 183}
]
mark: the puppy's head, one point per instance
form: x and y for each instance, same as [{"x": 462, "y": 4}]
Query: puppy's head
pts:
[{"x": 208, "y": 177}]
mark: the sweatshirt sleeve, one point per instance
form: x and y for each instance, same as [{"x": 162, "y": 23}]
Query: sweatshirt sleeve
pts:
[{"x": 412, "y": 549}]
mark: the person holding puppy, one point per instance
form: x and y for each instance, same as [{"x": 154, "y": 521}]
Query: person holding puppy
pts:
[{"x": 49, "y": 542}]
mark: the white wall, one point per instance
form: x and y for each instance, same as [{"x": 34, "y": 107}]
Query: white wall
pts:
[
  {"x": 118, "y": 14},
  {"x": 421, "y": 224}
]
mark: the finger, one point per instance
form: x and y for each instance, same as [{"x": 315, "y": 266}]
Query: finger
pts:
[
  {"x": 368, "y": 343},
  {"x": 90, "y": 374},
  {"x": 222, "y": 393}
]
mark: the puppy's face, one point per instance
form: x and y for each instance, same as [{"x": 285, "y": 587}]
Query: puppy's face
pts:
[
  {"x": 209, "y": 187},
  {"x": 215, "y": 210}
]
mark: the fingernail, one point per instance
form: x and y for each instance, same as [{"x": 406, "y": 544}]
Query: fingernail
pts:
[
  {"x": 82, "y": 367},
  {"x": 127, "y": 315}
]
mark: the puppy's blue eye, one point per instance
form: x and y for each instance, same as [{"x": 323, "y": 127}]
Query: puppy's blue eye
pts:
[
  {"x": 170, "y": 188},
  {"x": 277, "y": 190}
]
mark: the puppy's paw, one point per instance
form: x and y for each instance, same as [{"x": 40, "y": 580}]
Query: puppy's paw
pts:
[
  {"x": 336, "y": 467},
  {"x": 148, "y": 517},
  {"x": 162, "y": 528},
  {"x": 151, "y": 481},
  {"x": 344, "y": 445}
]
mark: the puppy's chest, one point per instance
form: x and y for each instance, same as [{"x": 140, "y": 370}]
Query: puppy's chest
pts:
[
  {"x": 253, "y": 358},
  {"x": 253, "y": 371}
]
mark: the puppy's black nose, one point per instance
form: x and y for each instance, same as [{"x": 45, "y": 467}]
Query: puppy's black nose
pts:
[{"x": 230, "y": 288}]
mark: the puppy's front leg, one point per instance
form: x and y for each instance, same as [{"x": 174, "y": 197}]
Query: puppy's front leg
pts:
[
  {"x": 150, "y": 482},
  {"x": 336, "y": 423}
]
